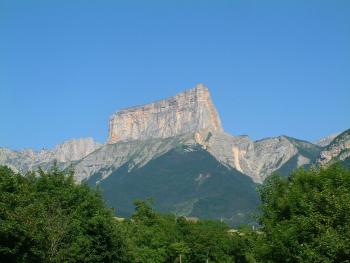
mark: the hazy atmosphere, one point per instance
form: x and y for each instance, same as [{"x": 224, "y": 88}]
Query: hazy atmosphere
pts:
[{"x": 273, "y": 67}]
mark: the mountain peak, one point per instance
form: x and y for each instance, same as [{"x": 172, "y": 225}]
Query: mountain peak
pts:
[
  {"x": 200, "y": 86},
  {"x": 325, "y": 141},
  {"x": 189, "y": 111}
]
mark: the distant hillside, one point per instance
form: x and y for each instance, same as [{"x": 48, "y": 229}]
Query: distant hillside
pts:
[
  {"x": 323, "y": 142},
  {"x": 176, "y": 151},
  {"x": 337, "y": 150},
  {"x": 306, "y": 156},
  {"x": 185, "y": 181}
]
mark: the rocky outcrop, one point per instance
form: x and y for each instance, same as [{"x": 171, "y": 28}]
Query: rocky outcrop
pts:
[
  {"x": 257, "y": 159},
  {"x": 323, "y": 142},
  {"x": 138, "y": 135},
  {"x": 64, "y": 154},
  {"x": 133, "y": 154},
  {"x": 192, "y": 112},
  {"x": 187, "y": 112},
  {"x": 74, "y": 150},
  {"x": 176, "y": 151},
  {"x": 337, "y": 150}
]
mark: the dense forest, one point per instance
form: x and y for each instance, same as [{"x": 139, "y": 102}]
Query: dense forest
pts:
[{"x": 47, "y": 217}]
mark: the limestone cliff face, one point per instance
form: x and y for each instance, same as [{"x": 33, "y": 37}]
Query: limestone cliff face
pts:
[
  {"x": 74, "y": 150},
  {"x": 257, "y": 159},
  {"x": 187, "y": 112},
  {"x": 65, "y": 154},
  {"x": 140, "y": 134},
  {"x": 337, "y": 150},
  {"x": 323, "y": 142},
  {"x": 135, "y": 154}
]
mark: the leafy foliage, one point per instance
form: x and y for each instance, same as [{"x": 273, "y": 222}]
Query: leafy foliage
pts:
[
  {"x": 306, "y": 218},
  {"x": 49, "y": 218},
  {"x": 166, "y": 238}
]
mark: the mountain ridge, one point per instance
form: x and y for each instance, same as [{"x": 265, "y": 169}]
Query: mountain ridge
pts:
[
  {"x": 181, "y": 155},
  {"x": 256, "y": 159},
  {"x": 186, "y": 112}
]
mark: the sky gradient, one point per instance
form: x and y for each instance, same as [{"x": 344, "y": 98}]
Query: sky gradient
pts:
[{"x": 273, "y": 67}]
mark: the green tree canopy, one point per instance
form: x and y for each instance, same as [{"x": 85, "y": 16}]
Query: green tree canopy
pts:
[
  {"x": 306, "y": 217},
  {"x": 47, "y": 217},
  {"x": 166, "y": 238}
]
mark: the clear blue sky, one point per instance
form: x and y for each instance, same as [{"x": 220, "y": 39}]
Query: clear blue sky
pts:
[{"x": 273, "y": 67}]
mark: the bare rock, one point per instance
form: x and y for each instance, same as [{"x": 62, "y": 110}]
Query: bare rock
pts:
[
  {"x": 255, "y": 159},
  {"x": 325, "y": 141},
  {"x": 338, "y": 149},
  {"x": 64, "y": 154},
  {"x": 186, "y": 112}
]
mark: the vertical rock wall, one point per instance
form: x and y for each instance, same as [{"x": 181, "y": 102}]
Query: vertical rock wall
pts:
[{"x": 189, "y": 111}]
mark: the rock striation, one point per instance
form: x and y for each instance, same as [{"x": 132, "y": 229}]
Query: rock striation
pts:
[
  {"x": 189, "y": 119},
  {"x": 257, "y": 159},
  {"x": 337, "y": 150},
  {"x": 74, "y": 150},
  {"x": 186, "y": 112},
  {"x": 177, "y": 151},
  {"x": 133, "y": 154},
  {"x": 64, "y": 154},
  {"x": 325, "y": 141}
]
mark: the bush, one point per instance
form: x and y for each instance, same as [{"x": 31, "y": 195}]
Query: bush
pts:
[
  {"x": 306, "y": 217},
  {"x": 47, "y": 217}
]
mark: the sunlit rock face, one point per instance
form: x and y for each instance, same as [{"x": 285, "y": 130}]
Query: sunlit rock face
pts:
[
  {"x": 337, "y": 150},
  {"x": 64, "y": 154},
  {"x": 257, "y": 159},
  {"x": 186, "y": 112},
  {"x": 189, "y": 120},
  {"x": 323, "y": 142}
]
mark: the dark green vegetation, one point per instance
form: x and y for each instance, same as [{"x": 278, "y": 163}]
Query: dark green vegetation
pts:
[
  {"x": 49, "y": 218},
  {"x": 187, "y": 182},
  {"x": 159, "y": 238},
  {"x": 306, "y": 218}
]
